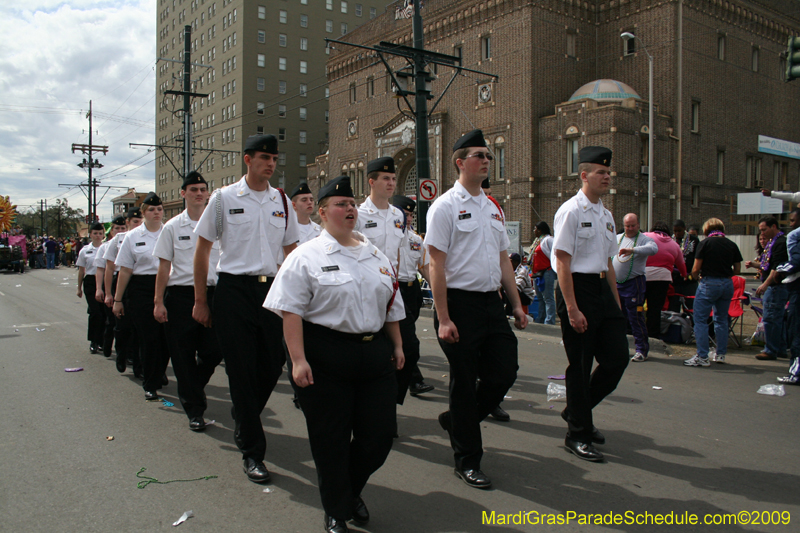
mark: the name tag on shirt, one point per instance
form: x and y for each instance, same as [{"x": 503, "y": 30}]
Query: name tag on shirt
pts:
[
  {"x": 586, "y": 224},
  {"x": 330, "y": 268},
  {"x": 235, "y": 211},
  {"x": 141, "y": 244},
  {"x": 464, "y": 215},
  {"x": 185, "y": 238},
  {"x": 89, "y": 253},
  {"x": 371, "y": 225}
]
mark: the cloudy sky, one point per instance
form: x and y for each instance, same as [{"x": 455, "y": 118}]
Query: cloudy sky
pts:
[{"x": 56, "y": 57}]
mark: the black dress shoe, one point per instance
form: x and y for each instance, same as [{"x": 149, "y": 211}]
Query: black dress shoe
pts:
[
  {"x": 137, "y": 373},
  {"x": 360, "y": 511},
  {"x": 93, "y": 348},
  {"x": 256, "y": 471},
  {"x": 583, "y": 450},
  {"x": 335, "y": 526},
  {"x": 151, "y": 396},
  {"x": 164, "y": 380},
  {"x": 419, "y": 388},
  {"x": 121, "y": 364},
  {"x": 446, "y": 424},
  {"x": 197, "y": 423},
  {"x": 597, "y": 437},
  {"x": 500, "y": 415},
  {"x": 474, "y": 478}
]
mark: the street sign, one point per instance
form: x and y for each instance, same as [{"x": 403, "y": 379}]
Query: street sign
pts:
[{"x": 427, "y": 190}]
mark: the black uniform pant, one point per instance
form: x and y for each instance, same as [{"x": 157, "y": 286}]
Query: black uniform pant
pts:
[
  {"x": 193, "y": 348},
  {"x": 108, "y": 330},
  {"x": 125, "y": 337},
  {"x": 96, "y": 312},
  {"x": 486, "y": 350},
  {"x": 605, "y": 340},
  {"x": 412, "y": 299},
  {"x": 349, "y": 410},
  {"x": 656, "y": 295},
  {"x": 251, "y": 339},
  {"x": 152, "y": 340}
]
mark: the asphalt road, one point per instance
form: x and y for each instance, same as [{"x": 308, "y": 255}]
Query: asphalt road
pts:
[{"x": 705, "y": 443}]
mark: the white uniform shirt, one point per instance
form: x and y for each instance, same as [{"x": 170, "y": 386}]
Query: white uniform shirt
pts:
[
  {"x": 99, "y": 256},
  {"x": 86, "y": 259},
  {"x": 327, "y": 285},
  {"x": 385, "y": 233},
  {"x": 176, "y": 244},
  {"x": 307, "y": 232},
  {"x": 470, "y": 230},
  {"x": 586, "y": 232},
  {"x": 412, "y": 256},
  {"x": 253, "y": 229},
  {"x": 136, "y": 251},
  {"x": 112, "y": 250}
]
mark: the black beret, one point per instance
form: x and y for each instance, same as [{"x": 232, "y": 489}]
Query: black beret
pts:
[
  {"x": 599, "y": 155},
  {"x": 382, "y": 164},
  {"x": 485, "y": 184},
  {"x": 119, "y": 220},
  {"x": 302, "y": 188},
  {"x": 336, "y": 187},
  {"x": 97, "y": 227},
  {"x": 134, "y": 212},
  {"x": 404, "y": 203},
  {"x": 261, "y": 143},
  {"x": 193, "y": 178},
  {"x": 471, "y": 139},
  {"x": 151, "y": 199}
]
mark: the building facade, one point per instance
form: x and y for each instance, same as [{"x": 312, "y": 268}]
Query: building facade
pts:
[
  {"x": 566, "y": 79},
  {"x": 262, "y": 65}
]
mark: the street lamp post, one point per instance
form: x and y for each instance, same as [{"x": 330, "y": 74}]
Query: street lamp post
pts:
[{"x": 627, "y": 36}]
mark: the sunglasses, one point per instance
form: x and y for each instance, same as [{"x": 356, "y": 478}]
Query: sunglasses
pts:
[{"x": 481, "y": 155}]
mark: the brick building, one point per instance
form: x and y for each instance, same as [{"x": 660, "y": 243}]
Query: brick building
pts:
[{"x": 718, "y": 85}]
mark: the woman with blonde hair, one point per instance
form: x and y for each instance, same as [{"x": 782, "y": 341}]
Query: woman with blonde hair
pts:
[{"x": 717, "y": 260}]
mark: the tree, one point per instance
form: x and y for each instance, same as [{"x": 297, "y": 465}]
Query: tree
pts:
[{"x": 64, "y": 221}]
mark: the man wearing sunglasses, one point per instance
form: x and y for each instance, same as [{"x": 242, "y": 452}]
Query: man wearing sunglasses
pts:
[{"x": 468, "y": 248}]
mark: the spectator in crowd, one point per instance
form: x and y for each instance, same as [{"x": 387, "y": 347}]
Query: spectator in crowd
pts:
[
  {"x": 717, "y": 259},
  {"x": 51, "y": 249},
  {"x": 659, "y": 275},
  {"x": 773, "y": 293},
  {"x": 686, "y": 241},
  {"x": 543, "y": 273},
  {"x": 792, "y": 282},
  {"x": 756, "y": 263}
]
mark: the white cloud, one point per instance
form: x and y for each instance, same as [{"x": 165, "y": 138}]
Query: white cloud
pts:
[{"x": 56, "y": 57}]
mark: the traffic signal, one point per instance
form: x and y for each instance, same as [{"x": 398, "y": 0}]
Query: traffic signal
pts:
[{"x": 793, "y": 59}]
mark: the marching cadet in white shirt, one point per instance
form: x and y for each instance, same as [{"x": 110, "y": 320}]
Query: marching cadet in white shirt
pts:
[
  {"x": 413, "y": 260},
  {"x": 303, "y": 205},
  {"x": 87, "y": 284},
  {"x": 137, "y": 275},
  {"x": 340, "y": 307},
  {"x": 193, "y": 348},
  {"x": 126, "y": 339},
  {"x": 252, "y": 222},
  {"x": 378, "y": 220},
  {"x": 117, "y": 226},
  {"x": 468, "y": 245},
  {"x": 592, "y": 324}
]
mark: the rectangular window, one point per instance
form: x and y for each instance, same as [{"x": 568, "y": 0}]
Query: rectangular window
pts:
[
  {"x": 327, "y": 92},
  {"x": 373, "y": 12},
  {"x": 721, "y": 47},
  {"x": 282, "y": 159},
  {"x": 282, "y": 39},
  {"x": 757, "y": 181},
  {"x": 353, "y": 93},
  {"x": 281, "y": 86},
  {"x": 304, "y": 21},
  {"x": 486, "y": 48},
  {"x": 500, "y": 162},
  {"x": 572, "y": 38},
  {"x": 720, "y": 167},
  {"x": 260, "y": 108},
  {"x": 281, "y": 63},
  {"x": 572, "y": 157},
  {"x": 283, "y": 17},
  {"x": 302, "y": 137},
  {"x": 695, "y": 116},
  {"x": 754, "y": 59},
  {"x": 329, "y": 5},
  {"x": 344, "y": 28},
  {"x": 302, "y": 160},
  {"x": 262, "y": 36},
  {"x": 359, "y": 10},
  {"x": 304, "y": 67},
  {"x": 327, "y": 116},
  {"x": 262, "y": 60},
  {"x": 282, "y": 134},
  {"x": 303, "y": 90},
  {"x": 458, "y": 51},
  {"x": 695, "y": 196},
  {"x": 629, "y": 45},
  {"x": 370, "y": 87},
  {"x": 329, "y": 26},
  {"x": 281, "y": 111},
  {"x": 344, "y": 7},
  {"x": 303, "y": 43},
  {"x": 303, "y": 113},
  {"x": 748, "y": 172},
  {"x": 260, "y": 84}
]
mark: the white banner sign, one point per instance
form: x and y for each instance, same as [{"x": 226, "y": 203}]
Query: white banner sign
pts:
[
  {"x": 513, "y": 229},
  {"x": 780, "y": 147}
]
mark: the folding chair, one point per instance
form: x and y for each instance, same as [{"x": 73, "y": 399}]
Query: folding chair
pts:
[{"x": 736, "y": 309}]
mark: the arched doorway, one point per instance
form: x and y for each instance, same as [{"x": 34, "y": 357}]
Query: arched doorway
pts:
[{"x": 406, "y": 167}]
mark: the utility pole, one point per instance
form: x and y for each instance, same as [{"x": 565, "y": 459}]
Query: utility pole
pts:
[
  {"x": 419, "y": 58},
  {"x": 90, "y": 164}
]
